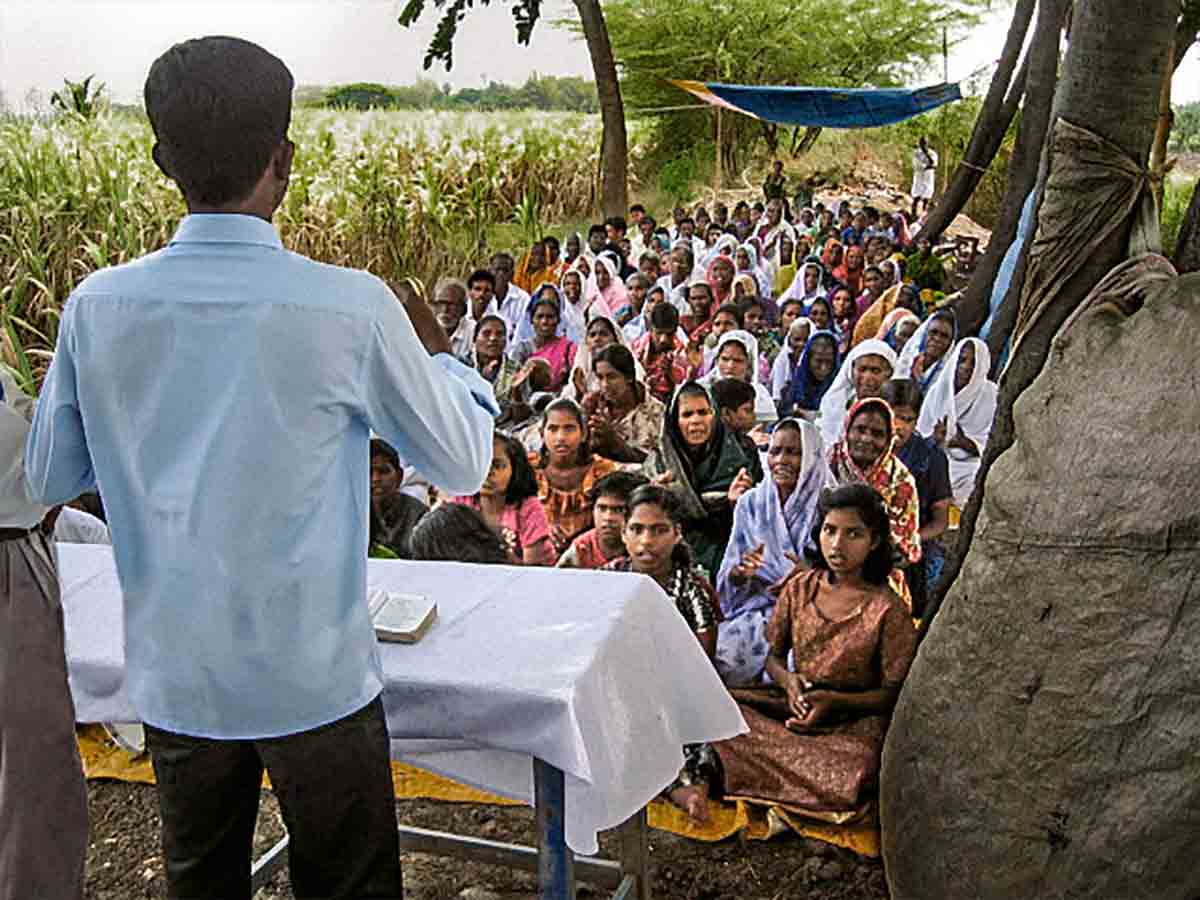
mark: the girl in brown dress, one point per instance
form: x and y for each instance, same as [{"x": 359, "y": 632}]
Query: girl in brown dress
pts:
[{"x": 841, "y": 644}]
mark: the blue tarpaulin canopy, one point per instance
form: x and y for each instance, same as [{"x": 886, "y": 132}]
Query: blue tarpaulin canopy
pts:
[{"x": 824, "y": 107}]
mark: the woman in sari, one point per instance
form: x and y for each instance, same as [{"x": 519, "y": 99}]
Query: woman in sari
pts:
[
  {"x": 746, "y": 259},
  {"x": 959, "y": 411},
  {"x": 497, "y": 367},
  {"x": 820, "y": 313},
  {"x": 605, "y": 290},
  {"x": 533, "y": 269},
  {"x": 850, "y": 272},
  {"x": 898, "y": 327},
  {"x": 772, "y": 523},
  {"x": 925, "y": 353},
  {"x": 866, "y": 455},
  {"x": 924, "y": 268},
  {"x": 624, "y": 419},
  {"x": 706, "y": 468},
  {"x": 737, "y": 357},
  {"x": 831, "y": 254},
  {"x": 785, "y": 272},
  {"x": 898, "y": 296},
  {"x": 558, "y": 351},
  {"x": 815, "y": 373},
  {"x": 784, "y": 370},
  {"x": 806, "y": 286},
  {"x": 845, "y": 315},
  {"x": 841, "y": 644},
  {"x": 566, "y": 469},
  {"x": 602, "y": 332}
]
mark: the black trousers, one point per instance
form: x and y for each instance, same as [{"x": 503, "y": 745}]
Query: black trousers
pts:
[{"x": 334, "y": 786}]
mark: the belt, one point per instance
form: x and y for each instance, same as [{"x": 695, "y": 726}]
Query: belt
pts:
[{"x": 15, "y": 534}]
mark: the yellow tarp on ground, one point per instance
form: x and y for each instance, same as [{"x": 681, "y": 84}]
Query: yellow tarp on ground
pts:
[{"x": 104, "y": 759}]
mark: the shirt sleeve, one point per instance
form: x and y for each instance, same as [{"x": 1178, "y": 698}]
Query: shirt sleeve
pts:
[
  {"x": 897, "y": 643},
  {"x": 531, "y": 522},
  {"x": 440, "y": 425},
  {"x": 58, "y": 463}
]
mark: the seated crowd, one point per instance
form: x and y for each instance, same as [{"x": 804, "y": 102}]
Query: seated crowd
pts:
[{"x": 768, "y": 415}]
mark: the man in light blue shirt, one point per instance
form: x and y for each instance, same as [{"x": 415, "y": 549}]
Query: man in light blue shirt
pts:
[{"x": 221, "y": 392}]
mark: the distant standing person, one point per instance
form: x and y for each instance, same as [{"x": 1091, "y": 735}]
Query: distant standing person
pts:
[
  {"x": 924, "y": 164},
  {"x": 224, "y": 390},
  {"x": 773, "y": 187}
]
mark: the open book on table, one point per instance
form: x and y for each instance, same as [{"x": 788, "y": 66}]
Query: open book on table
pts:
[{"x": 400, "y": 618}]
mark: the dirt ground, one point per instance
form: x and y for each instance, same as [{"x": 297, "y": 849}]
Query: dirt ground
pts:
[{"x": 125, "y": 862}]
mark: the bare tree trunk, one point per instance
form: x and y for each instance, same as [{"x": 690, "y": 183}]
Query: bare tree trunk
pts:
[
  {"x": 614, "y": 152},
  {"x": 1040, "y": 82},
  {"x": 995, "y": 117},
  {"x": 1111, "y": 82},
  {"x": 1187, "y": 251}
]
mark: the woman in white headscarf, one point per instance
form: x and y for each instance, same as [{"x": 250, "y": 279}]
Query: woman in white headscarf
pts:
[
  {"x": 958, "y": 412},
  {"x": 846, "y": 387},
  {"x": 753, "y": 267},
  {"x": 806, "y": 286},
  {"x": 605, "y": 292},
  {"x": 741, "y": 361},
  {"x": 789, "y": 356},
  {"x": 601, "y": 332},
  {"x": 726, "y": 244}
]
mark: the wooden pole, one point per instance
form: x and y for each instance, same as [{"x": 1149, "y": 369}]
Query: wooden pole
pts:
[
  {"x": 717, "y": 175},
  {"x": 1162, "y": 134}
]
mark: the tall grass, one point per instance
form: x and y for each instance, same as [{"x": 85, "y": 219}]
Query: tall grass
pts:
[{"x": 424, "y": 194}]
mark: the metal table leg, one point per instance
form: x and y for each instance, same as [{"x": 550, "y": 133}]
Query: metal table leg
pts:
[{"x": 556, "y": 869}]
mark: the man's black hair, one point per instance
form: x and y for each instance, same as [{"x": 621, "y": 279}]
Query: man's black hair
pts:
[
  {"x": 380, "y": 447},
  {"x": 637, "y": 207},
  {"x": 482, "y": 275},
  {"x": 617, "y": 222},
  {"x": 597, "y": 229},
  {"x": 687, "y": 220},
  {"x": 731, "y": 393},
  {"x": 219, "y": 107},
  {"x": 664, "y": 317},
  {"x": 551, "y": 240},
  {"x": 456, "y": 532},
  {"x": 616, "y": 484}
]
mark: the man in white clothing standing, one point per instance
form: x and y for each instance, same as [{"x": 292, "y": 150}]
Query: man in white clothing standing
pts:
[{"x": 924, "y": 165}]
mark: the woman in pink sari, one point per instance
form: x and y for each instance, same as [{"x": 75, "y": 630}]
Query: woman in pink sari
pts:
[
  {"x": 606, "y": 293},
  {"x": 546, "y": 313}
]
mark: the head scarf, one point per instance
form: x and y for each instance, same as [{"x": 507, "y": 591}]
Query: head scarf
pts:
[
  {"x": 782, "y": 526},
  {"x": 807, "y": 392},
  {"x": 973, "y": 408},
  {"x": 529, "y": 280},
  {"x": 839, "y": 394},
  {"x": 724, "y": 242},
  {"x": 824, "y": 301},
  {"x": 827, "y": 254},
  {"x": 764, "y": 406},
  {"x": 711, "y": 281},
  {"x": 903, "y": 238},
  {"x": 707, "y": 481},
  {"x": 781, "y": 369},
  {"x": 584, "y": 362},
  {"x": 891, "y": 324},
  {"x": 912, "y": 362},
  {"x": 887, "y": 475},
  {"x": 870, "y": 322},
  {"x": 797, "y": 291},
  {"x": 583, "y": 247},
  {"x": 607, "y": 301},
  {"x": 761, "y": 278}
]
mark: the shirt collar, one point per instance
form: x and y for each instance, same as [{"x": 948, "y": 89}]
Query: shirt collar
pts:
[{"x": 226, "y": 228}]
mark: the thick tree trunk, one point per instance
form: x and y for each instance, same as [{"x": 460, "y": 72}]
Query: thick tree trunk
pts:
[
  {"x": 1187, "y": 251},
  {"x": 1111, "y": 83},
  {"x": 1040, "y": 82},
  {"x": 995, "y": 116},
  {"x": 1188, "y": 30},
  {"x": 614, "y": 153}
]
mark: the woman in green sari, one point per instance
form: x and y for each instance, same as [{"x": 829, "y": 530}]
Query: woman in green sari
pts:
[{"x": 707, "y": 469}]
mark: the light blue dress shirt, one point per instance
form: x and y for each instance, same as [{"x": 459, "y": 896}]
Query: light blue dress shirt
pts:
[{"x": 221, "y": 393}]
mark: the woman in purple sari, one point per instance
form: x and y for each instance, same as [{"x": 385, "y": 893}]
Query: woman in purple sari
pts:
[{"x": 771, "y": 524}]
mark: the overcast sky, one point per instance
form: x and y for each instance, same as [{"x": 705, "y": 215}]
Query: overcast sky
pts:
[{"x": 333, "y": 41}]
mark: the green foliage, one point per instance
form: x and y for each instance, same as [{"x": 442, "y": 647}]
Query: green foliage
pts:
[
  {"x": 678, "y": 176},
  {"x": 80, "y": 98},
  {"x": 396, "y": 193},
  {"x": 544, "y": 92},
  {"x": 441, "y": 48},
  {"x": 1177, "y": 194},
  {"x": 1185, "y": 134},
  {"x": 835, "y": 43}
]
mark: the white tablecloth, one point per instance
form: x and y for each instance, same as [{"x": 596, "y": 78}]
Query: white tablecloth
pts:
[{"x": 594, "y": 672}]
